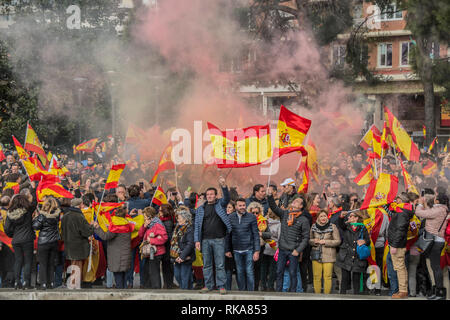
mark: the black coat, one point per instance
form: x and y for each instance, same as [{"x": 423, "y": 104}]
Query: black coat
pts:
[
  {"x": 347, "y": 258},
  {"x": 76, "y": 232},
  {"x": 48, "y": 224},
  {"x": 292, "y": 237},
  {"x": 398, "y": 226},
  {"x": 187, "y": 246},
  {"x": 18, "y": 225}
]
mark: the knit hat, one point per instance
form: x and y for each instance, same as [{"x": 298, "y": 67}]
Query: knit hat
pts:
[{"x": 75, "y": 202}]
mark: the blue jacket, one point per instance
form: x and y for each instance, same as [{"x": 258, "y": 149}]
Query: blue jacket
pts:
[
  {"x": 138, "y": 203},
  {"x": 220, "y": 206},
  {"x": 245, "y": 234},
  {"x": 262, "y": 202}
]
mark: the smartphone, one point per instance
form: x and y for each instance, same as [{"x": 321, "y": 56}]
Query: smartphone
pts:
[
  {"x": 325, "y": 196},
  {"x": 422, "y": 193},
  {"x": 141, "y": 185}
]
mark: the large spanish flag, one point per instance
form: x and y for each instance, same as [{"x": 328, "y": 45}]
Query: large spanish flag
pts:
[
  {"x": 32, "y": 144},
  {"x": 20, "y": 150},
  {"x": 240, "y": 147},
  {"x": 159, "y": 197},
  {"x": 87, "y": 146},
  {"x": 381, "y": 191},
  {"x": 292, "y": 130},
  {"x": 114, "y": 176},
  {"x": 51, "y": 189},
  {"x": 165, "y": 162},
  {"x": 400, "y": 137},
  {"x": 33, "y": 172},
  {"x": 365, "y": 176},
  {"x": 408, "y": 181}
]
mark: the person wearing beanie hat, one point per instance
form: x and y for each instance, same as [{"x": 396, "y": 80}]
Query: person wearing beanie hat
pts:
[
  {"x": 182, "y": 248},
  {"x": 75, "y": 232}
]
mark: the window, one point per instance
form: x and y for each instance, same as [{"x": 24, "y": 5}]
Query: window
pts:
[
  {"x": 385, "y": 55},
  {"x": 391, "y": 12},
  {"x": 404, "y": 56},
  {"x": 339, "y": 52}
]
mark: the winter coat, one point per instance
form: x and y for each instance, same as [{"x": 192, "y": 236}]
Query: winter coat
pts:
[
  {"x": 220, "y": 207},
  {"x": 294, "y": 237},
  {"x": 119, "y": 249},
  {"x": 398, "y": 226},
  {"x": 244, "y": 234},
  {"x": 186, "y": 245},
  {"x": 347, "y": 258},
  {"x": 286, "y": 199},
  {"x": 48, "y": 224},
  {"x": 262, "y": 202},
  {"x": 75, "y": 233},
  {"x": 160, "y": 239},
  {"x": 18, "y": 225},
  {"x": 436, "y": 217},
  {"x": 274, "y": 228},
  {"x": 138, "y": 203},
  {"x": 332, "y": 240}
]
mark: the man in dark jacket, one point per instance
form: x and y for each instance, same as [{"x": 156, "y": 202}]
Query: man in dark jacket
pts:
[
  {"x": 75, "y": 233},
  {"x": 293, "y": 240},
  {"x": 289, "y": 192},
  {"x": 259, "y": 195},
  {"x": 211, "y": 226},
  {"x": 244, "y": 240},
  {"x": 397, "y": 238}
]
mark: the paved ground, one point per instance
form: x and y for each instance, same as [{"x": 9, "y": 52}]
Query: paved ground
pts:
[{"x": 137, "y": 294}]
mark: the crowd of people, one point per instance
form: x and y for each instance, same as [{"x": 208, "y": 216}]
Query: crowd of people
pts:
[{"x": 269, "y": 238}]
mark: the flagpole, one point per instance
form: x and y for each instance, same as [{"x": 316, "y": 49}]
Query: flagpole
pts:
[{"x": 176, "y": 176}]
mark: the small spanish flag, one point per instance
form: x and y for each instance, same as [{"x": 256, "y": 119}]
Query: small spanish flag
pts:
[
  {"x": 32, "y": 144},
  {"x": 159, "y": 198},
  {"x": 87, "y": 146},
  {"x": 305, "y": 180},
  {"x": 20, "y": 150},
  {"x": 365, "y": 176},
  {"x": 165, "y": 162},
  {"x": 429, "y": 168},
  {"x": 292, "y": 130},
  {"x": 424, "y": 130},
  {"x": 367, "y": 141},
  {"x": 381, "y": 191},
  {"x": 408, "y": 181},
  {"x": 432, "y": 144},
  {"x": 2, "y": 155},
  {"x": 33, "y": 172},
  {"x": 114, "y": 176}
]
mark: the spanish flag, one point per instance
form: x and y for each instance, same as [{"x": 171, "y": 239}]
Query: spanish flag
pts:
[
  {"x": 365, "y": 176},
  {"x": 114, "y": 176},
  {"x": 165, "y": 162},
  {"x": 36, "y": 162},
  {"x": 159, "y": 197},
  {"x": 429, "y": 168},
  {"x": 55, "y": 169},
  {"x": 424, "y": 130},
  {"x": 408, "y": 181},
  {"x": 312, "y": 163},
  {"x": 432, "y": 144},
  {"x": 12, "y": 185},
  {"x": 2, "y": 155},
  {"x": 367, "y": 140},
  {"x": 400, "y": 137},
  {"x": 51, "y": 189},
  {"x": 3, "y": 237},
  {"x": 134, "y": 135},
  {"x": 381, "y": 191},
  {"x": 305, "y": 180},
  {"x": 87, "y": 146},
  {"x": 32, "y": 144},
  {"x": 292, "y": 130},
  {"x": 373, "y": 226},
  {"x": 33, "y": 172},
  {"x": 101, "y": 208},
  {"x": 240, "y": 147},
  {"x": 385, "y": 141},
  {"x": 20, "y": 150}
]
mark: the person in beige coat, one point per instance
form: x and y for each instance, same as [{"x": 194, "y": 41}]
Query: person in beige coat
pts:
[{"x": 324, "y": 238}]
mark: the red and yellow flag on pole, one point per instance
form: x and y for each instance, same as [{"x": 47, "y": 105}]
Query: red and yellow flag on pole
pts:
[
  {"x": 429, "y": 168},
  {"x": 408, "y": 181},
  {"x": 2, "y": 155},
  {"x": 305, "y": 180},
  {"x": 381, "y": 191},
  {"x": 367, "y": 141},
  {"x": 292, "y": 130},
  {"x": 432, "y": 144},
  {"x": 87, "y": 146},
  {"x": 240, "y": 147},
  {"x": 33, "y": 144},
  {"x": 20, "y": 150},
  {"x": 33, "y": 172},
  {"x": 51, "y": 189},
  {"x": 114, "y": 176},
  {"x": 310, "y": 160},
  {"x": 165, "y": 162},
  {"x": 365, "y": 176},
  {"x": 400, "y": 137},
  {"x": 159, "y": 197}
]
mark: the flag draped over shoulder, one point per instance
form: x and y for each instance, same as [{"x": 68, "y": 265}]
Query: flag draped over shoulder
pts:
[
  {"x": 292, "y": 130},
  {"x": 381, "y": 191},
  {"x": 87, "y": 146},
  {"x": 365, "y": 176},
  {"x": 159, "y": 197},
  {"x": 240, "y": 147},
  {"x": 20, "y": 150},
  {"x": 114, "y": 176},
  {"x": 165, "y": 162},
  {"x": 400, "y": 137}
]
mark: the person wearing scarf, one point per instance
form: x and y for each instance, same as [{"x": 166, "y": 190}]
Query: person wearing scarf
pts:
[
  {"x": 155, "y": 233},
  {"x": 347, "y": 258},
  {"x": 324, "y": 236},
  {"x": 182, "y": 248},
  {"x": 118, "y": 238}
]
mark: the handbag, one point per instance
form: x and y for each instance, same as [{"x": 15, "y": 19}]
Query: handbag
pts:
[
  {"x": 363, "y": 251},
  {"x": 316, "y": 254},
  {"x": 144, "y": 249},
  {"x": 425, "y": 243}
]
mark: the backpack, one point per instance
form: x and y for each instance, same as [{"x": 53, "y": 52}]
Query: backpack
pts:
[{"x": 363, "y": 251}]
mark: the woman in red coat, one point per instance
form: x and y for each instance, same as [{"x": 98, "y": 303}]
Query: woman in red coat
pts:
[{"x": 153, "y": 232}]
